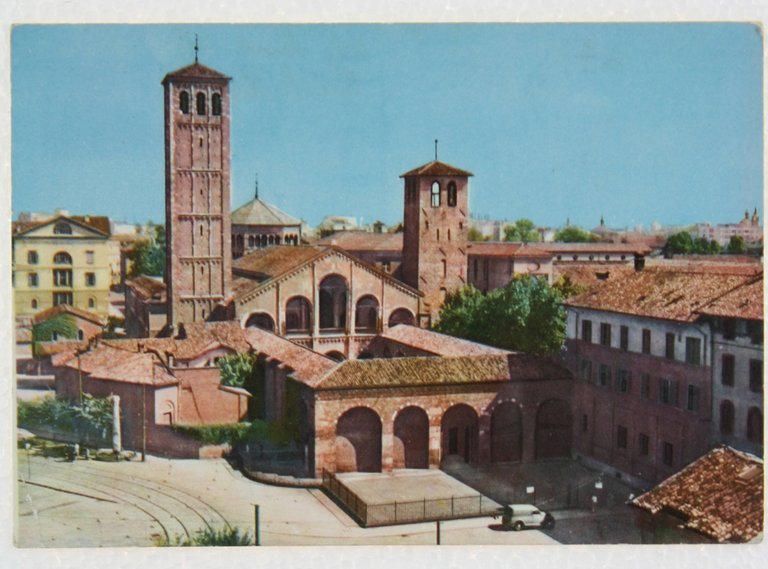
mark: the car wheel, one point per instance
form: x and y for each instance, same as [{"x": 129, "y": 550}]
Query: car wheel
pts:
[{"x": 518, "y": 526}]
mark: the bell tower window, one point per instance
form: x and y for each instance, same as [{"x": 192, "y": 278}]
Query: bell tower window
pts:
[
  {"x": 452, "y": 194},
  {"x": 216, "y": 104},
  {"x": 184, "y": 102},
  {"x": 435, "y": 194},
  {"x": 201, "y": 104}
]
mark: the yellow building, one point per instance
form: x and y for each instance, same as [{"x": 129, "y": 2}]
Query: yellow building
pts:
[{"x": 64, "y": 260}]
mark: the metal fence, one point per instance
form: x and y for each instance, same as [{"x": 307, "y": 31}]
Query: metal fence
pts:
[{"x": 408, "y": 511}]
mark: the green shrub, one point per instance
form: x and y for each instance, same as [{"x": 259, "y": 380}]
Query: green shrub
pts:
[
  {"x": 209, "y": 537},
  {"x": 92, "y": 419}
]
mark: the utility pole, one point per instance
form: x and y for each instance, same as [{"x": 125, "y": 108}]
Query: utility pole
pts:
[
  {"x": 143, "y": 423},
  {"x": 256, "y": 536}
]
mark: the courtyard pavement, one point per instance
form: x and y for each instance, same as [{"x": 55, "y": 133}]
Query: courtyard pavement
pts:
[{"x": 105, "y": 504}]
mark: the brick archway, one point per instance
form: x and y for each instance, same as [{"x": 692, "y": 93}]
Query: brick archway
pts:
[
  {"x": 411, "y": 430},
  {"x": 459, "y": 433},
  {"x": 506, "y": 433},
  {"x": 358, "y": 441},
  {"x": 553, "y": 429}
]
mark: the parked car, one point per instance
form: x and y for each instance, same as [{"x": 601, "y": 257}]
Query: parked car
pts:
[{"x": 521, "y": 516}]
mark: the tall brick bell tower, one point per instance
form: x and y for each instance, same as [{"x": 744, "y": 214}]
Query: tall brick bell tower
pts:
[
  {"x": 197, "y": 200},
  {"x": 435, "y": 224}
]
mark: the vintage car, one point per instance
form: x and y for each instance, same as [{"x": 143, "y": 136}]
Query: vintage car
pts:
[{"x": 521, "y": 516}]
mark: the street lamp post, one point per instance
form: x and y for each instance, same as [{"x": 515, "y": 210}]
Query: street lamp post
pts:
[{"x": 29, "y": 465}]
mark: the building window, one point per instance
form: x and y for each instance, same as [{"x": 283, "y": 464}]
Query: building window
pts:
[
  {"x": 669, "y": 454},
  {"x": 32, "y": 258},
  {"x": 444, "y": 265},
  {"x": 729, "y": 329},
  {"x": 452, "y": 194},
  {"x": 621, "y": 437},
  {"x": 62, "y": 298},
  {"x": 91, "y": 302},
  {"x": 32, "y": 280},
  {"x": 62, "y": 228},
  {"x": 298, "y": 312},
  {"x": 692, "y": 403},
  {"x": 367, "y": 314},
  {"x": 201, "y": 104},
  {"x": 645, "y": 386},
  {"x": 184, "y": 102},
  {"x": 727, "y": 416},
  {"x": 668, "y": 391},
  {"x": 756, "y": 376},
  {"x": 755, "y": 331},
  {"x": 624, "y": 338},
  {"x": 80, "y": 335},
  {"x": 435, "y": 194},
  {"x": 605, "y": 334},
  {"x": 33, "y": 304},
  {"x": 669, "y": 350},
  {"x": 216, "y": 104},
  {"x": 643, "y": 442},
  {"x": 90, "y": 279},
  {"x": 586, "y": 330},
  {"x": 585, "y": 370},
  {"x": 385, "y": 266},
  {"x": 333, "y": 303},
  {"x": 62, "y": 258},
  {"x": 728, "y": 371},
  {"x": 89, "y": 257},
  {"x": 693, "y": 351},
  {"x": 623, "y": 381},
  {"x": 646, "y": 341},
  {"x": 755, "y": 425},
  {"x": 604, "y": 376},
  {"x": 62, "y": 277}
]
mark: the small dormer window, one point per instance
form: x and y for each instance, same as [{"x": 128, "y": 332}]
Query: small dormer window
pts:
[
  {"x": 201, "y": 104},
  {"x": 216, "y": 104},
  {"x": 184, "y": 102},
  {"x": 62, "y": 228},
  {"x": 435, "y": 194}
]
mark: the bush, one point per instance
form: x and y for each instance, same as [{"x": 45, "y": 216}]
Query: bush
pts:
[
  {"x": 226, "y": 537},
  {"x": 90, "y": 420}
]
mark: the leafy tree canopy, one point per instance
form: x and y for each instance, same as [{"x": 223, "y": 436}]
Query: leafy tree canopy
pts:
[
  {"x": 573, "y": 234},
  {"x": 522, "y": 230},
  {"x": 527, "y": 315},
  {"x": 237, "y": 369},
  {"x": 737, "y": 245},
  {"x": 148, "y": 257},
  {"x": 474, "y": 234},
  {"x": 682, "y": 243}
]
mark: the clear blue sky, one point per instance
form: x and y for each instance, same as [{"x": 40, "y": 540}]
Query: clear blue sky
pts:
[{"x": 635, "y": 122}]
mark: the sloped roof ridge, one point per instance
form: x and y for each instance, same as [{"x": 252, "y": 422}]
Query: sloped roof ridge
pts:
[
  {"x": 60, "y": 217},
  {"x": 424, "y": 170}
]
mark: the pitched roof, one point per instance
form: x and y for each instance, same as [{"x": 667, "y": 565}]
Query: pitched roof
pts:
[
  {"x": 658, "y": 293},
  {"x": 97, "y": 223},
  {"x": 436, "y": 168},
  {"x": 196, "y": 71},
  {"x": 745, "y": 301},
  {"x": 436, "y": 343},
  {"x": 365, "y": 241},
  {"x": 401, "y": 372},
  {"x": 720, "y": 495},
  {"x": 67, "y": 309},
  {"x": 305, "y": 365},
  {"x": 110, "y": 363},
  {"x": 259, "y": 212},
  {"x": 147, "y": 287},
  {"x": 595, "y": 248},
  {"x": 507, "y": 249},
  {"x": 274, "y": 262}
]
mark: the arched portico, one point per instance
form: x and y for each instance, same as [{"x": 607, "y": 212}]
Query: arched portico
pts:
[
  {"x": 459, "y": 433},
  {"x": 411, "y": 441},
  {"x": 358, "y": 441},
  {"x": 506, "y": 433}
]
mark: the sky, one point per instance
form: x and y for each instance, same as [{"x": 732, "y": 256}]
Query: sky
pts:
[{"x": 558, "y": 122}]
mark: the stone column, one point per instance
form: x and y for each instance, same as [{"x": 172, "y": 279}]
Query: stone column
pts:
[
  {"x": 484, "y": 438},
  {"x": 434, "y": 443},
  {"x": 387, "y": 444},
  {"x": 529, "y": 432}
]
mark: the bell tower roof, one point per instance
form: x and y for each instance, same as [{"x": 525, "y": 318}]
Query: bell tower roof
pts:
[
  {"x": 196, "y": 71},
  {"x": 436, "y": 168}
]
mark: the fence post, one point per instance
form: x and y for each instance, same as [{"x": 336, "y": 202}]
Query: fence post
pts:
[
  {"x": 437, "y": 530},
  {"x": 424, "y": 512},
  {"x": 452, "y": 503}
]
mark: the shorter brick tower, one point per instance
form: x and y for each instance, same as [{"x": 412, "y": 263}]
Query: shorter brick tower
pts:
[{"x": 435, "y": 224}]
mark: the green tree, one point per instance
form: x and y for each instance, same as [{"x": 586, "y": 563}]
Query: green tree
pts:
[
  {"x": 473, "y": 234},
  {"x": 148, "y": 257},
  {"x": 573, "y": 234},
  {"x": 737, "y": 245},
  {"x": 527, "y": 315},
  {"x": 567, "y": 288},
  {"x": 522, "y": 230},
  {"x": 680, "y": 243}
]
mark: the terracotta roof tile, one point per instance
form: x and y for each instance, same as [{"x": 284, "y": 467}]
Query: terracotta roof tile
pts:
[
  {"x": 67, "y": 309},
  {"x": 147, "y": 287},
  {"x": 745, "y": 301},
  {"x": 720, "y": 495},
  {"x": 436, "y": 168},
  {"x": 259, "y": 212},
  {"x": 595, "y": 248},
  {"x": 657, "y": 293},
  {"x": 365, "y": 241},
  {"x": 436, "y": 343},
  {"x": 507, "y": 249},
  {"x": 196, "y": 71},
  {"x": 98, "y": 222},
  {"x": 306, "y": 365}
]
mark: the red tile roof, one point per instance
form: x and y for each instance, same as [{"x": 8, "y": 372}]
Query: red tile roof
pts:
[
  {"x": 436, "y": 168},
  {"x": 436, "y": 343},
  {"x": 147, "y": 287},
  {"x": 259, "y": 212},
  {"x": 507, "y": 249},
  {"x": 97, "y": 223},
  {"x": 720, "y": 495},
  {"x": 109, "y": 363},
  {"x": 304, "y": 364},
  {"x": 67, "y": 309},
  {"x": 658, "y": 293},
  {"x": 745, "y": 301},
  {"x": 196, "y": 71},
  {"x": 590, "y": 274},
  {"x": 364, "y": 241},
  {"x": 595, "y": 248}
]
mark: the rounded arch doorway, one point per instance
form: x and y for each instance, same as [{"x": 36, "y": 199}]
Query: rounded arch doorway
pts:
[{"x": 358, "y": 441}]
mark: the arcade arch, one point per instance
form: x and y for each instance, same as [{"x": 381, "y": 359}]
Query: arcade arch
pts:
[{"x": 358, "y": 441}]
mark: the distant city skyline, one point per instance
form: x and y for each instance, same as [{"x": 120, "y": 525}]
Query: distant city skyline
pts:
[{"x": 636, "y": 122}]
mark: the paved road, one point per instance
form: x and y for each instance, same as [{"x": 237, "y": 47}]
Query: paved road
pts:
[{"x": 100, "y": 504}]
